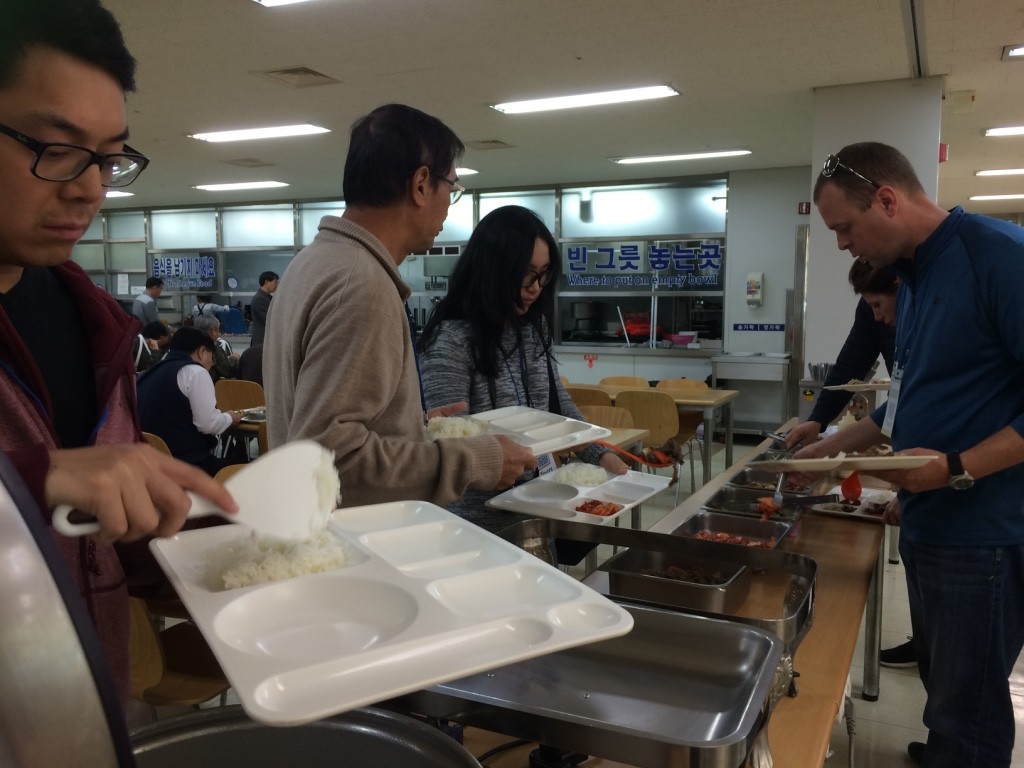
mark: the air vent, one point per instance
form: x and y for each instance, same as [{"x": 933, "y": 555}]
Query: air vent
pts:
[
  {"x": 248, "y": 162},
  {"x": 488, "y": 144},
  {"x": 299, "y": 77}
]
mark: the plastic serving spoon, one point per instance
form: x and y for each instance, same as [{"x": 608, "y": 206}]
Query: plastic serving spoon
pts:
[{"x": 289, "y": 492}]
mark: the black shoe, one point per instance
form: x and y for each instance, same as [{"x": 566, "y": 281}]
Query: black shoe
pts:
[
  {"x": 899, "y": 656},
  {"x": 916, "y": 751}
]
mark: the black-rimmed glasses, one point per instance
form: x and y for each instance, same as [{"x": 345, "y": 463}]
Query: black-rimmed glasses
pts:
[
  {"x": 833, "y": 164},
  {"x": 543, "y": 278},
  {"x": 55, "y": 161},
  {"x": 457, "y": 189}
]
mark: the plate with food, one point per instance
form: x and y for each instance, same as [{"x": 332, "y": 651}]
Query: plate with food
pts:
[
  {"x": 868, "y": 507},
  {"x": 582, "y": 493},
  {"x": 540, "y": 431},
  {"x": 391, "y": 598},
  {"x": 254, "y": 415}
]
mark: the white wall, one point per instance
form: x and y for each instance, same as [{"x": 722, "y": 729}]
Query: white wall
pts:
[
  {"x": 903, "y": 113},
  {"x": 762, "y": 226}
]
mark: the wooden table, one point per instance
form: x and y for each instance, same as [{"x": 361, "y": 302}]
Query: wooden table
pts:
[
  {"x": 706, "y": 401},
  {"x": 622, "y": 438}
]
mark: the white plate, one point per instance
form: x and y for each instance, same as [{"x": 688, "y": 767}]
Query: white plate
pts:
[
  {"x": 870, "y": 386},
  {"x": 426, "y": 598},
  {"x": 547, "y": 497},
  {"x": 540, "y": 431}
]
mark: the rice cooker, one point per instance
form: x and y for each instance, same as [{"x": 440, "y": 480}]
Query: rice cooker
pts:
[{"x": 59, "y": 706}]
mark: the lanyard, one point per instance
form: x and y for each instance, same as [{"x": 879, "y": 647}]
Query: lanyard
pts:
[{"x": 416, "y": 355}]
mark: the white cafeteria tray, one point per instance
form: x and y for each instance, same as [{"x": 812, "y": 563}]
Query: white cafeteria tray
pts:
[
  {"x": 843, "y": 462},
  {"x": 427, "y": 598},
  {"x": 547, "y": 497},
  {"x": 540, "y": 431}
]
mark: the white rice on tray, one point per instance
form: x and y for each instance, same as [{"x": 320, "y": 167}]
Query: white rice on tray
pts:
[
  {"x": 454, "y": 426},
  {"x": 580, "y": 474},
  {"x": 258, "y": 559}
]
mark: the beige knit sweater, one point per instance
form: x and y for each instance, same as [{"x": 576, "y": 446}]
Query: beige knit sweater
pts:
[{"x": 339, "y": 368}]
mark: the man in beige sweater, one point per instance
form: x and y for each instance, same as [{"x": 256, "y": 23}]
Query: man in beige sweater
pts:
[{"x": 339, "y": 364}]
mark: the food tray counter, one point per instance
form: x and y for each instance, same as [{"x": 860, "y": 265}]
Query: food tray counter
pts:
[{"x": 847, "y": 590}]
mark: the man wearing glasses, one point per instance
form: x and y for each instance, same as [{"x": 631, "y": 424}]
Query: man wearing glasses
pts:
[
  {"x": 339, "y": 364},
  {"x": 68, "y": 418},
  {"x": 958, "y": 396}
]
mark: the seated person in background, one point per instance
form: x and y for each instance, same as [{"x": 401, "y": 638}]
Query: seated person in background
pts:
[
  {"x": 204, "y": 306},
  {"x": 873, "y": 334},
  {"x": 150, "y": 345},
  {"x": 488, "y": 341},
  {"x": 225, "y": 362},
  {"x": 177, "y": 401},
  {"x": 250, "y": 364}
]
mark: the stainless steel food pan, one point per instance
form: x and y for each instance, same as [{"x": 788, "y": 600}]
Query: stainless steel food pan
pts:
[
  {"x": 679, "y": 691},
  {"x": 764, "y": 481},
  {"x": 635, "y": 573},
  {"x": 771, "y": 532},
  {"x": 743, "y": 501}
]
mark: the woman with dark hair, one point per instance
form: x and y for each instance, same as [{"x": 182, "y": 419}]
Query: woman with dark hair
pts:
[{"x": 488, "y": 341}]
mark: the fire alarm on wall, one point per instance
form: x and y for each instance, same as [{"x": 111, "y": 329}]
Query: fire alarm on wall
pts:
[{"x": 803, "y": 208}]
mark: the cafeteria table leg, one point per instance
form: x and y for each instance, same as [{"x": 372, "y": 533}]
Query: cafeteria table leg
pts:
[
  {"x": 709, "y": 439},
  {"x": 873, "y": 628}
]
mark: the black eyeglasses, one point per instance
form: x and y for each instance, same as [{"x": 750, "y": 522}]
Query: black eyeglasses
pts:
[
  {"x": 457, "y": 189},
  {"x": 63, "y": 162},
  {"x": 833, "y": 164},
  {"x": 544, "y": 278}
]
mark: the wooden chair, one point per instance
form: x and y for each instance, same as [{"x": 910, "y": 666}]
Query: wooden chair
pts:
[
  {"x": 236, "y": 395},
  {"x": 655, "y": 411},
  {"x": 564, "y": 380},
  {"x": 626, "y": 381},
  {"x": 588, "y": 396},
  {"x": 688, "y": 420},
  {"x": 608, "y": 416},
  {"x": 173, "y": 665},
  {"x": 226, "y": 472},
  {"x": 157, "y": 442}
]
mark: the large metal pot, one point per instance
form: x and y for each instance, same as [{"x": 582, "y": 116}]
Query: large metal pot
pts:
[{"x": 364, "y": 738}]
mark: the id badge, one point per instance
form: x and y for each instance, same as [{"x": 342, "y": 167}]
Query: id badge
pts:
[
  {"x": 893, "y": 402},
  {"x": 545, "y": 464}
]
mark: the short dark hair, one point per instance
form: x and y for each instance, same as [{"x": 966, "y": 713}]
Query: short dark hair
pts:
[
  {"x": 387, "y": 146},
  {"x": 879, "y": 162},
  {"x": 266, "y": 277},
  {"x": 155, "y": 330},
  {"x": 189, "y": 339},
  {"x": 867, "y": 279},
  {"x": 154, "y": 282},
  {"x": 80, "y": 28},
  {"x": 486, "y": 282}
]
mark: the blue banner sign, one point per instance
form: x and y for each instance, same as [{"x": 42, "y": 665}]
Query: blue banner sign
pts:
[
  {"x": 684, "y": 265},
  {"x": 186, "y": 271}
]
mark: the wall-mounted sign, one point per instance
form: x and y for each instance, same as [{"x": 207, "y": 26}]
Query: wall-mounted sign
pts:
[
  {"x": 759, "y": 326},
  {"x": 186, "y": 271},
  {"x": 673, "y": 265}
]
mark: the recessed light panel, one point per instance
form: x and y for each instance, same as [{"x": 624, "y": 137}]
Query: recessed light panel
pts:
[
  {"x": 586, "y": 99},
  {"x": 240, "y": 185},
  {"x": 272, "y": 132},
  {"x": 676, "y": 158}
]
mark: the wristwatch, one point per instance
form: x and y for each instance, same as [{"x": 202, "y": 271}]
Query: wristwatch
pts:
[{"x": 959, "y": 478}]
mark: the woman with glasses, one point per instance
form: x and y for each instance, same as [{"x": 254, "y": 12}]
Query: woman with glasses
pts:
[{"x": 488, "y": 342}]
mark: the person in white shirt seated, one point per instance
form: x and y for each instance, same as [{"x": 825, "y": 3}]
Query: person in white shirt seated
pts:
[
  {"x": 177, "y": 401},
  {"x": 204, "y": 306}
]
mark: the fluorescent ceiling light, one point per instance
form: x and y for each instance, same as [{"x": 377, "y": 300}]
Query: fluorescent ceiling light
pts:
[
  {"x": 119, "y": 193},
  {"x": 240, "y": 185},
  {"x": 997, "y": 197},
  {"x": 1010, "y": 130},
  {"x": 586, "y": 99},
  {"x": 274, "y": 132},
  {"x": 465, "y": 172},
  {"x": 674, "y": 158},
  {"x": 1013, "y": 53},
  {"x": 272, "y": 3},
  {"x": 1001, "y": 172}
]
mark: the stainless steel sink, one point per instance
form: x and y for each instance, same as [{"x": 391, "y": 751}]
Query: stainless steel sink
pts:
[{"x": 678, "y": 691}]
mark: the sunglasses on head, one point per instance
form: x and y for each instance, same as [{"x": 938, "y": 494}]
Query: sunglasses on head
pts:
[{"x": 833, "y": 164}]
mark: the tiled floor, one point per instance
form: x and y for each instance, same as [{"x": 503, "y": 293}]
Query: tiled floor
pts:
[{"x": 882, "y": 728}]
